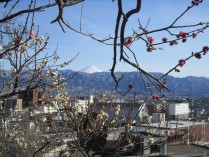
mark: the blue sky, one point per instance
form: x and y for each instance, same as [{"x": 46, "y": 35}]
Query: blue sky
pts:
[{"x": 99, "y": 19}]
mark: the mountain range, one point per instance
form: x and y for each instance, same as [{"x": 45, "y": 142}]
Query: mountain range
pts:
[{"x": 94, "y": 80}]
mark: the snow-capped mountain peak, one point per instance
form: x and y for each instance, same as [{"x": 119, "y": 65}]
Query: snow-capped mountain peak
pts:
[{"x": 91, "y": 69}]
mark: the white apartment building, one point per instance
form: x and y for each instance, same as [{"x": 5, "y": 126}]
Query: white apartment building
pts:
[{"x": 178, "y": 110}]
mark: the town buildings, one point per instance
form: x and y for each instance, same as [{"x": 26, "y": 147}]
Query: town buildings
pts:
[{"x": 169, "y": 124}]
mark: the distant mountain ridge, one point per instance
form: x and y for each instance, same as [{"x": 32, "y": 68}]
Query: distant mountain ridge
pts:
[
  {"x": 96, "y": 81},
  {"x": 103, "y": 81}
]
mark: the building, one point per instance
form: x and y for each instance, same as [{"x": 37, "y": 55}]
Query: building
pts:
[
  {"x": 177, "y": 111},
  {"x": 188, "y": 132},
  {"x": 48, "y": 109},
  {"x": 81, "y": 104},
  {"x": 27, "y": 97},
  {"x": 158, "y": 117},
  {"x": 157, "y": 108},
  {"x": 19, "y": 104},
  {"x": 8, "y": 104}
]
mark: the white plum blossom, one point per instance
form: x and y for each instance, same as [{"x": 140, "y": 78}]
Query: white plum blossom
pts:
[
  {"x": 38, "y": 41},
  {"x": 42, "y": 38},
  {"x": 59, "y": 97},
  {"x": 55, "y": 74},
  {"x": 24, "y": 47},
  {"x": 54, "y": 103},
  {"x": 117, "y": 110},
  {"x": 43, "y": 119},
  {"x": 104, "y": 114},
  {"x": 150, "y": 139},
  {"x": 47, "y": 73},
  {"x": 102, "y": 117},
  {"x": 113, "y": 121},
  {"x": 45, "y": 60},
  {"x": 55, "y": 84},
  {"x": 14, "y": 70},
  {"x": 129, "y": 126}
]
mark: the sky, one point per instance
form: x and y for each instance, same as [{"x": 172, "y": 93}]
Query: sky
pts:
[{"x": 98, "y": 18}]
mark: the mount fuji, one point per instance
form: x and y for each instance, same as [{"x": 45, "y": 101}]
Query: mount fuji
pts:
[{"x": 90, "y": 69}]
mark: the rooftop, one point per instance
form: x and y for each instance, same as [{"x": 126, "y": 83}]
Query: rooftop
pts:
[
  {"x": 174, "y": 124},
  {"x": 187, "y": 150}
]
